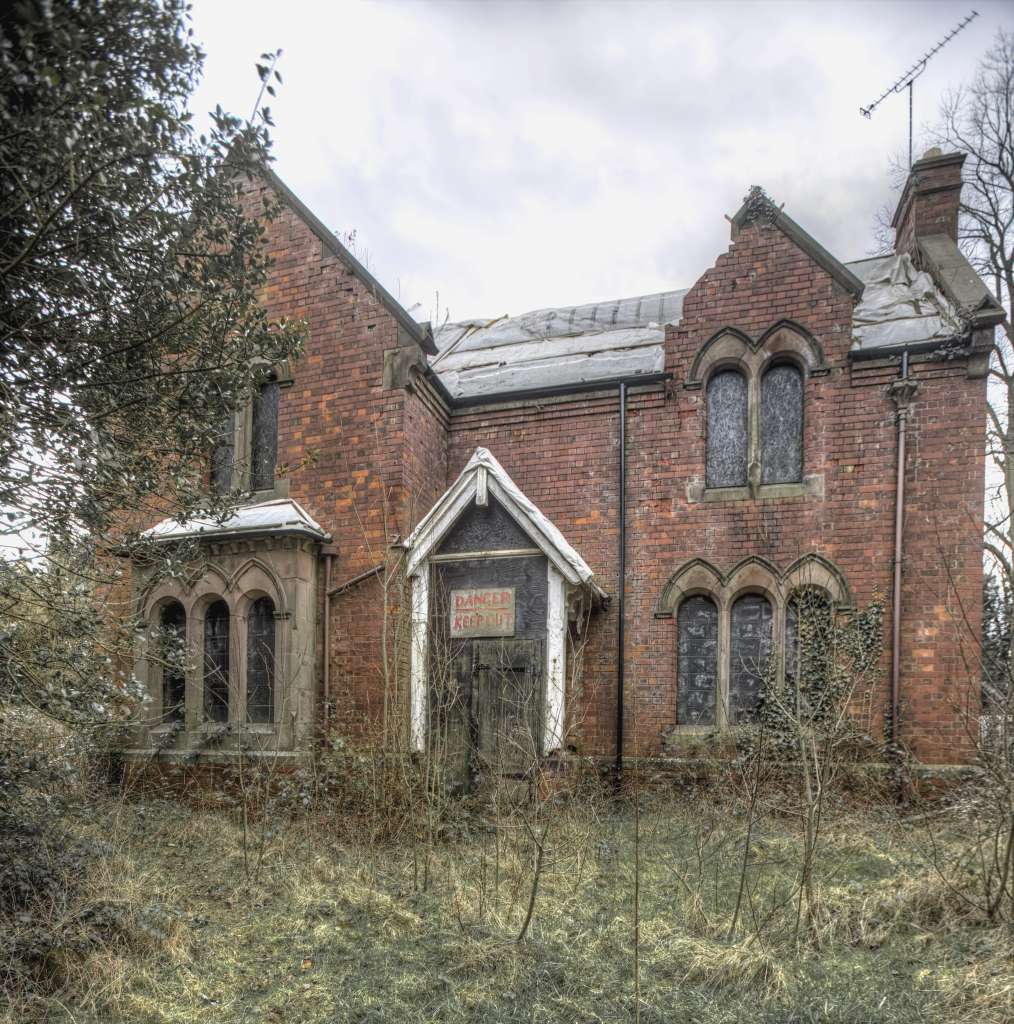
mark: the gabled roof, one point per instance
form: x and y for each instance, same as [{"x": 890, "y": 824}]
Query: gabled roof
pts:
[
  {"x": 281, "y": 516},
  {"x": 420, "y": 333},
  {"x": 482, "y": 476},
  {"x": 758, "y": 206}
]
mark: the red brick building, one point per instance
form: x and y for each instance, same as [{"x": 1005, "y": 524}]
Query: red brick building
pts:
[{"x": 462, "y": 499}]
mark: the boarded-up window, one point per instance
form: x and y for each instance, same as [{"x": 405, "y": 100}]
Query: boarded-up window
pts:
[
  {"x": 697, "y": 661},
  {"x": 750, "y": 651},
  {"x": 223, "y": 456},
  {"x": 264, "y": 437},
  {"x": 173, "y": 622},
  {"x": 781, "y": 425},
  {"x": 260, "y": 661},
  {"x": 809, "y": 645},
  {"x": 727, "y": 430},
  {"x": 216, "y": 662}
]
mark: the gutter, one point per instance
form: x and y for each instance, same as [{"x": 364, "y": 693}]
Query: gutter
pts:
[{"x": 502, "y": 397}]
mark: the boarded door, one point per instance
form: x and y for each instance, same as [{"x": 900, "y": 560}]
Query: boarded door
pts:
[
  {"x": 507, "y": 706},
  {"x": 487, "y": 719}
]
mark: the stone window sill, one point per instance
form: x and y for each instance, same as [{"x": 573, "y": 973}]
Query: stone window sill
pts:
[
  {"x": 280, "y": 490},
  {"x": 810, "y": 487}
]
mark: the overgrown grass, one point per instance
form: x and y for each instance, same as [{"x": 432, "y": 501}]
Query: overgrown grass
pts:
[{"x": 164, "y": 926}]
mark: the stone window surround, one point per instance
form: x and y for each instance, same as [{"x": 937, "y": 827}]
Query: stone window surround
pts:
[
  {"x": 243, "y": 435},
  {"x": 752, "y": 575},
  {"x": 254, "y": 579},
  {"x": 731, "y": 348}
]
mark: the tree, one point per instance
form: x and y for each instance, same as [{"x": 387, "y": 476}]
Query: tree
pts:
[
  {"x": 130, "y": 321},
  {"x": 979, "y": 121}
]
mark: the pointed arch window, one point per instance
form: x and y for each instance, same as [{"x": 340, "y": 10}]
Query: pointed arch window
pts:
[
  {"x": 264, "y": 436},
  {"x": 750, "y": 654},
  {"x": 781, "y": 425},
  {"x": 216, "y": 662},
  {"x": 223, "y": 456},
  {"x": 728, "y": 430},
  {"x": 809, "y": 623},
  {"x": 173, "y": 638},
  {"x": 260, "y": 661},
  {"x": 697, "y": 661},
  {"x": 244, "y": 455}
]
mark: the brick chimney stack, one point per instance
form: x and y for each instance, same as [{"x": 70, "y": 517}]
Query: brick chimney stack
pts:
[{"x": 929, "y": 203}]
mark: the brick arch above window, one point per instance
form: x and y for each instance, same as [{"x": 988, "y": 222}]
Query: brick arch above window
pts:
[
  {"x": 753, "y": 574},
  {"x": 814, "y": 570},
  {"x": 784, "y": 340}
]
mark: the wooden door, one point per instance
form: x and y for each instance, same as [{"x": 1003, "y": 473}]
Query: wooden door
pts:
[{"x": 507, "y": 707}]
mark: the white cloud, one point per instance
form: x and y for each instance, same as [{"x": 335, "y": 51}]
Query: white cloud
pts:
[{"x": 520, "y": 155}]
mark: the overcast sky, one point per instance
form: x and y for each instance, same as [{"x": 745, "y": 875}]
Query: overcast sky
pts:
[{"x": 519, "y": 155}]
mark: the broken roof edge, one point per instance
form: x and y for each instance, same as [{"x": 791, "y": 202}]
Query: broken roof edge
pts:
[
  {"x": 420, "y": 333},
  {"x": 758, "y": 206},
  {"x": 959, "y": 280}
]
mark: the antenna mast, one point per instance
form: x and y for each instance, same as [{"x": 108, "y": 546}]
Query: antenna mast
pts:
[{"x": 907, "y": 80}]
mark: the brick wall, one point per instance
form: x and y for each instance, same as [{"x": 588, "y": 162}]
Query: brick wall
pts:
[
  {"x": 563, "y": 455},
  {"x": 343, "y": 435},
  {"x": 385, "y": 456}
]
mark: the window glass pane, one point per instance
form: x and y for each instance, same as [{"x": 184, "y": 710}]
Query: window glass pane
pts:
[
  {"x": 264, "y": 439},
  {"x": 781, "y": 425},
  {"x": 216, "y": 663},
  {"x": 727, "y": 430},
  {"x": 750, "y": 651},
  {"x": 697, "y": 661},
  {"x": 260, "y": 661},
  {"x": 173, "y": 621},
  {"x": 223, "y": 456}
]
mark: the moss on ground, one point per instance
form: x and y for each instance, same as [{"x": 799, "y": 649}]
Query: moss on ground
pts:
[{"x": 338, "y": 929}]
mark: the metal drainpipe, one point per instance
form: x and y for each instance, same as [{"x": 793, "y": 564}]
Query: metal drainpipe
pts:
[
  {"x": 621, "y": 583},
  {"x": 902, "y": 391},
  {"x": 327, "y": 641}
]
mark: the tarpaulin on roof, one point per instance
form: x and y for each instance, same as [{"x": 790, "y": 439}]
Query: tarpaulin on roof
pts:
[{"x": 900, "y": 306}]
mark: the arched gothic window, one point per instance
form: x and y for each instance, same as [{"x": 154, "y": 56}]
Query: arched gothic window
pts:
[
  {"x": 264, "y": 437},
  {"x": 260, "y": 661},
  {"x": 223, "y": 456},
  {"x": 697, "y": 661},
  {"x": 750, "y": 653},
  {"x": 172, "y": 653},
  {"x": 728, "y": 430},
  {"x": 781, "y": 425},
  {"x": 216, "y": 662},
  {"x": 809, "y": 625}
]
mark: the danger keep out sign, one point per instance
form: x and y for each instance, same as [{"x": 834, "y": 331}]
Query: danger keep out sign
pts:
[{"x": 482, "y": 611}]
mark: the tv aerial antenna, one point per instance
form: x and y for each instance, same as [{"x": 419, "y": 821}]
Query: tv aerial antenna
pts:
[{"x": 907, "y": 80}]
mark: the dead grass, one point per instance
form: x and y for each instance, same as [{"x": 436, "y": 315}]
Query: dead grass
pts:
[{"x": 336, "y": 930}]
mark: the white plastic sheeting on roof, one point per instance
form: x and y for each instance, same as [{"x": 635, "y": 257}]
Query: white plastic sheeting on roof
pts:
[
  {"x": 900, "y": 306},
  {"x": 282, "y": 515},
  {"x": 552, "y": 347},
  {"x": 601, "y": 341}
]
